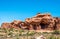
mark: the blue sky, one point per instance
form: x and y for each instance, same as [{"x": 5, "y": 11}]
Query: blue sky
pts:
[{"x": 20, "y": 9}]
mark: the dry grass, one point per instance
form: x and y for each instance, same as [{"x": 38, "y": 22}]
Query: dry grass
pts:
[{"x": 25, "y": 34}]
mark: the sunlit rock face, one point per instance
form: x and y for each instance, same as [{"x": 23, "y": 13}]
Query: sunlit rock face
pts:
[
  {"x": 38, "y": 22},
  {"x": 16, "y": 23},
  {"x": 6, "y": 25},
  {"x": 41, "y": 21}
]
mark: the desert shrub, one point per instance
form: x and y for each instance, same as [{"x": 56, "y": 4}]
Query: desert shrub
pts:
[
  {"x": 1, "y": 35},
  {"x": 32, "y": 38},
  {"x": 21, "y": 30},
  {"x": 39, "y": 33},
  {"x": 11, "y": 29},
  {"x": 52, "y": 37},
  {"x": 31, "y": 33},
  {"x": 17, "y": 38},
  {"x": 10, "y": 33},
  {"x": 56, "y": 32},
  {"x": 1, "y": 30},
  {"x": 45, "y": 33},
  {"x": 5, "y": 30},
  {"x": 58, "y": 38}
]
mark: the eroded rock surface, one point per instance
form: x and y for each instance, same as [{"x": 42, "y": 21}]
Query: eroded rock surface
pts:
[{"x": 38, "y": 22}]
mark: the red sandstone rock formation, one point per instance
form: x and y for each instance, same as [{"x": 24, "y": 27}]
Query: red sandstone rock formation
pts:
[{"x": 38, "y": 22}]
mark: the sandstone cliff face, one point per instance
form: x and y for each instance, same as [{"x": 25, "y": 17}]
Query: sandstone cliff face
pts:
[{"x": 38, "y": 22}]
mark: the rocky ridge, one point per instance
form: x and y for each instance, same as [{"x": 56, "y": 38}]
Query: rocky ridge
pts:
[{"x": 38, "y": 22}]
